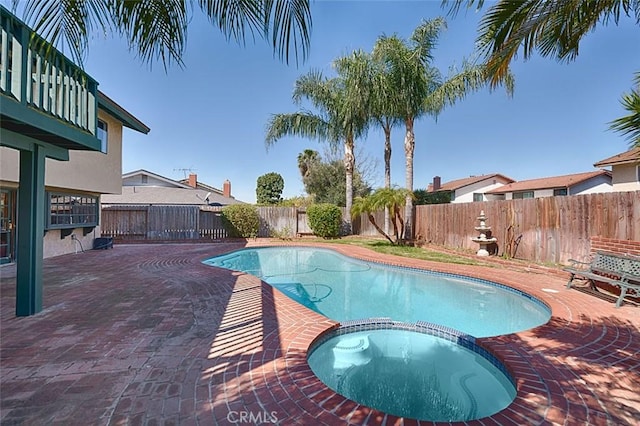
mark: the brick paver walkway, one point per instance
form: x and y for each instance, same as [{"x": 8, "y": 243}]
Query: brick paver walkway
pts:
[{"x": 146, "y": 334}]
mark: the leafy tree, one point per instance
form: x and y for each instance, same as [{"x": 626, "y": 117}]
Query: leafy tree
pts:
[
  {"x": 438, "y": 197},
  {"x": 325, "y": 182},
  {"x": 269, "y": 188},
  {"x": 417, "y": 89},
  {"x": 552, "y": 29},
  {"x": 341, "y": 116},
  {"x": 157, "y": 29}
]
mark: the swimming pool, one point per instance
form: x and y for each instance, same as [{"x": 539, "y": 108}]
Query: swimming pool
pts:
[{"x": 344, "y": 289}]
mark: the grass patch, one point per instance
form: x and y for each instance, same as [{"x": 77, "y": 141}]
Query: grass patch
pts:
[{"x": 382, "y": 246}]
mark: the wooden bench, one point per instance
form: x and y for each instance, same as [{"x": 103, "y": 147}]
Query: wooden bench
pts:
[{"x": 622, "y": 271}]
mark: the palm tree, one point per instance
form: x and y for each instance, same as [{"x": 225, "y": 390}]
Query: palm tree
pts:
[
  {"x": 417, "y": 88},
  {"x": 306, "y": 160},
  {"x": 157, "y": 29},
  {"x": 629, "y": 125},
  {"x": 552, "y": 29},
  {"x": 342, "y": 117},
  {"x": 391, "y": 199}
]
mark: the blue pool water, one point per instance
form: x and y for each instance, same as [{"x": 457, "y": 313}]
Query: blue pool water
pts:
[
  {"x": 343, "y": 289},
  {"x": 412, "y": 375}
]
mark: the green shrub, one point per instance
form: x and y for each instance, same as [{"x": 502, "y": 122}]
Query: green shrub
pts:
[
  {"x": 325, "y": 220},
  {"x": 241, "y": 220}
]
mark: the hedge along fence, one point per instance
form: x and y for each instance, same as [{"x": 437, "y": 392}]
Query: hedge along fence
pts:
[{"x": 549, "y": 229}]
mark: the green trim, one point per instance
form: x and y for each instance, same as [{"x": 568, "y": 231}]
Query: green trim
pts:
[
  {"x": 30, "y": 231},
  {"x": 126, "y": 118},
  {"x": 46, "y": 127},
  {"x": 24, "y": 143}
]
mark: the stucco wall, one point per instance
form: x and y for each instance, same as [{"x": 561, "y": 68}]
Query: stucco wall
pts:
[
  {"x": 55, "y": 246},
  {"x": 625, "y": 177},
  {"x": 86, "y": 171},
  {"x": 465, "y": 194}
]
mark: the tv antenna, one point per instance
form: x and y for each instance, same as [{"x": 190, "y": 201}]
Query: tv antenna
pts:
[{"x": 184, "y": 171}]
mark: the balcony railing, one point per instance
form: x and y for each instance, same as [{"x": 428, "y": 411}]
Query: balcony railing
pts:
[{"x": 39, "y": 77}]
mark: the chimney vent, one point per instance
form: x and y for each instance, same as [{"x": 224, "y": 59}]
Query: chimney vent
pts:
[
  {"x": 193, "y": 180},
  {"x": 436, "y": 183},
  {"x": 226, "y": 188}
]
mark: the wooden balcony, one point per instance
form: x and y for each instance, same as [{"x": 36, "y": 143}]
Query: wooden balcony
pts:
[{"x": 43, "y": 94}]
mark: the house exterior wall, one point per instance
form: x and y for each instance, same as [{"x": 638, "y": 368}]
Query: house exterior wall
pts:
[
  {"x": 86, "y": 171},
  {"x": 592, "y": 186},
  {"x": 625, "y": 177},
  {"x": 465, "y": 194}
]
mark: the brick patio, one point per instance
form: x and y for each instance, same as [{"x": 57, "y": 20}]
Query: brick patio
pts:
[{"x": 146, "y": 334}]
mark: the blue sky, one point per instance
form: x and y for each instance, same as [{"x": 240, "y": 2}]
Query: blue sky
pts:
[{"x": 210, "y": 116}]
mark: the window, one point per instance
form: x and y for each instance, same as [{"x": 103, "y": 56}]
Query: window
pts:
[
  {"x": 103, "y": 135},
  {"x": 522, "y": 195},
  {"x": 145, "y": 179},
  {"x": 559, "y": 192},
  {"x": 638, "y": 173},
  {"x": 477, "y": 196},
  {"x": 71, "y": 211}
]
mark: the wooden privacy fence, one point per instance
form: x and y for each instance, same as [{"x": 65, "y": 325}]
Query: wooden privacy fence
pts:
[
  {"x": 161, "y": 222},
  {"x": 172, "y": 222},
  {"x": 549, "y": 229}
]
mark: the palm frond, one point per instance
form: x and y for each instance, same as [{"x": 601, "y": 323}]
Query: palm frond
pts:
[
  {"x": 425, "y": 38},
  {"x": 290, "y": 24},
  {"x": 456, "y": 5},
  {"x": 65, "y": 24},
  {"x": 286, "y": 24},
  {"x": 155, "y": 28},
  {"x": 550, "y": 28},
  {"x": 302, "y": 124},
  {"x": 629, "y": 125},
  {"x": 236, "y": 19}
]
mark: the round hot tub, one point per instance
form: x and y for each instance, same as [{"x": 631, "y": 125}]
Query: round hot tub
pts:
[{"x": 420, "y": 371}]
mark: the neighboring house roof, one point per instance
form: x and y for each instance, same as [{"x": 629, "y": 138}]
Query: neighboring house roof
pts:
[
  {"x": 564, "y": 181},
  {"x": 201, "y": 185},
  {"x": 629, "y": 157},
  {"x": 156, "y": 176},
  {"x": 164, "y": 191},
  {"x": 461, "y": 183},
  {"x": 162, "y": 195},
  {"x": 128, "y": 120}
]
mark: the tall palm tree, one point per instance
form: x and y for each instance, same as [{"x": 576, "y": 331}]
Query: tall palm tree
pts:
[
  {"x": 629, "y": 125},
  {"x": 341, "y": 117},
  {"x": 157, "y": 29},
  {"x": 418, "y": 89},
  {"x": 552, "y": 29}
]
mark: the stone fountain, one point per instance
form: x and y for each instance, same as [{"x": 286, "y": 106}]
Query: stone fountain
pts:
[{"x": 482, "y": 239}]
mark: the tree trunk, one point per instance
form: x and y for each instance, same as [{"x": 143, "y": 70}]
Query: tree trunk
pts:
[
  {"x": 372, "y": 219},
  {"x": 409, "y": 147},
  {"x": 349, "y": 165},
  {"x": 387, "y": 171}
]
